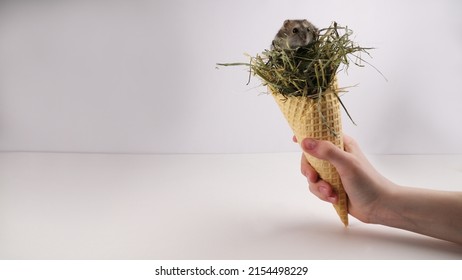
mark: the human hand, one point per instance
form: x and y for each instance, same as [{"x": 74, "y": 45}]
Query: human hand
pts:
[
  {"x": 364, "y": 186},
  {"x": 374, "y": 199}
]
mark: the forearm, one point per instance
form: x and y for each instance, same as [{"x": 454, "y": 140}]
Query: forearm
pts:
[{"x": 429, "y": 212}]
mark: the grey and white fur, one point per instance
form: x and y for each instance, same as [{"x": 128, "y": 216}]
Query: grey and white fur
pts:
[{"x": 294, "y": 34}]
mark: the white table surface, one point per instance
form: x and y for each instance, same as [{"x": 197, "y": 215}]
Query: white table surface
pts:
[{"x": 251, "y": 206}]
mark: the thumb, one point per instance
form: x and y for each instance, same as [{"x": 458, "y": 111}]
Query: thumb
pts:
[{"x": 326, "y": 150}]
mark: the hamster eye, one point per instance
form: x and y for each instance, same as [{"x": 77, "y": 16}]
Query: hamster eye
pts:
[{"x": 295, "y": 30}]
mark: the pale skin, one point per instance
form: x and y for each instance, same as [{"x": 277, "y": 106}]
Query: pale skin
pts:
[{"x": 375, "y": 199}]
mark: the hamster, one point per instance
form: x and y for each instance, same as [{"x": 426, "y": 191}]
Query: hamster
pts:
[{"x": 294, "y": 34}]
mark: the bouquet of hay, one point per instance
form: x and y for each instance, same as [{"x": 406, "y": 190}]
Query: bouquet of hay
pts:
[{"x": 303, "y": 82}]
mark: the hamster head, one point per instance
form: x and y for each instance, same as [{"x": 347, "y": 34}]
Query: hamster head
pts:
[{"x": 295, "y": 33}]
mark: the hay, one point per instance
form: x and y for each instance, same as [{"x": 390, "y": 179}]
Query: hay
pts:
[{"x": 310, "y": 70}]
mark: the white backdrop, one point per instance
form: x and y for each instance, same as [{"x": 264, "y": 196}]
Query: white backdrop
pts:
[{"x": 139, "y": 76}]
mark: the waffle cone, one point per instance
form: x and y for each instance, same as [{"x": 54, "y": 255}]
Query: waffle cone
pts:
[{"x": 318, "y": 119}]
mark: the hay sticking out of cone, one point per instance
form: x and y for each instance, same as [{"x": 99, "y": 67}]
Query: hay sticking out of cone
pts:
[{"x": 303, "y": 82}]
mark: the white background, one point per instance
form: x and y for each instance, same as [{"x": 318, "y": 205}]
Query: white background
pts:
[{"x": 139, "y": 76}]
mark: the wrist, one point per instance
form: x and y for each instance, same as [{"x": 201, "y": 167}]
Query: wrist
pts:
[{"x": 384, "y": 210}]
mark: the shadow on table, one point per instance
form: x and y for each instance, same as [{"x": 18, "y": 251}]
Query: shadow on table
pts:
[{"x": 361, "y": 241}]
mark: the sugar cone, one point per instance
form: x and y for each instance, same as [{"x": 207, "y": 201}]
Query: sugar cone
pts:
[{"x": 318, "y": 119}]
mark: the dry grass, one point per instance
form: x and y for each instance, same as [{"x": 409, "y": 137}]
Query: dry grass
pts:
[{"x": 310, "y": 70}]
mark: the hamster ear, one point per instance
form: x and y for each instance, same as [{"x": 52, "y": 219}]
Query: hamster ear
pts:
[
  {"x": 315, "y": 29},
  {"x": 286, "y": 22},
  {"x": 316, "y": 33}
]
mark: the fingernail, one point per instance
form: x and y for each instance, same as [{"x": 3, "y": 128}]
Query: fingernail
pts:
[
  {"x": 323, "y": 191},
  {"x": 309, "y": 144},
  {"x": 332, "y": 199}
]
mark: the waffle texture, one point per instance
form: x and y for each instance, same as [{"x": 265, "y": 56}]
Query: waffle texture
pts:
[{"x": 318, "y": 119}]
